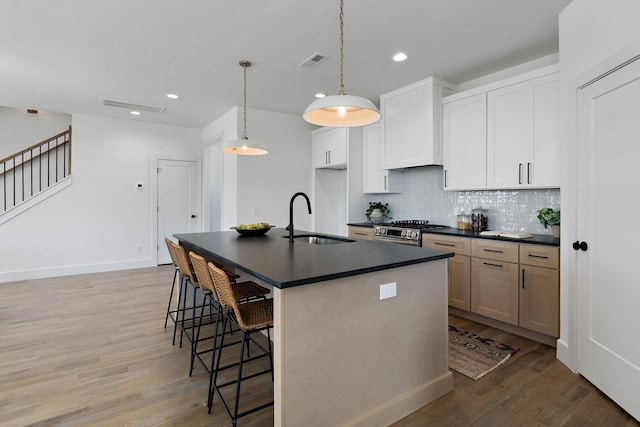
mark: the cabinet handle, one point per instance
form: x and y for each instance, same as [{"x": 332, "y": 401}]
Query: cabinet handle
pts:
[
  {"x": 519, "y": 173},
  {"x": 385, "y": 183},
  {"x": 359, "y": 234},
  {"x": 528, "y": 173},
  {"x": 538, "y": 256},
  {"x": 451, "y": 245},
  {"x": 523, "y": 287},
  {"x": 493, "y": 250},
  {"x": 493, "y": 265},
  {"x": 445, "y": 178}
]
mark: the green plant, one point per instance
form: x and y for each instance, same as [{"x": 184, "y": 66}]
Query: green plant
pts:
[
  {"x": 548, "y": 216},
  {"x": 384, "y": 208}
]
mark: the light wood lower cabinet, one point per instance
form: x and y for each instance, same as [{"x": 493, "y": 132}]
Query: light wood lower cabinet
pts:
[
  {"x": 364, "y": 233},
  {"x": 540, "y": 289},
  {"x": 494, "y": 289},
  {"x": 459, "y": 267}
]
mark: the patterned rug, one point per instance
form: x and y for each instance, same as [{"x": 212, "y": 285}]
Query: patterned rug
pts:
[{"x": 474, "y": 356}]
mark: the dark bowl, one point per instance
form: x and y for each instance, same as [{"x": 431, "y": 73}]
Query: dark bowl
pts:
[{"x": 252, "y": 231}]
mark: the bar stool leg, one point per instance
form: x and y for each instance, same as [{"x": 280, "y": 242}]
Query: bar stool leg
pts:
[
  {"x": 173, "y": 285},
  {"x": 180, "y": 309}
]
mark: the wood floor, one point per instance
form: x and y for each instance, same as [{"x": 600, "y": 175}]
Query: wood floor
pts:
[{"x": 91, "y": 350}]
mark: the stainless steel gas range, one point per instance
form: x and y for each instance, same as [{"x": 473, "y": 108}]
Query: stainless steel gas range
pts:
[{"x": 403, "y": 232}]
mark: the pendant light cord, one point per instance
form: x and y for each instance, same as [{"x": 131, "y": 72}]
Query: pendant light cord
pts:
[
  {"x": 245, "y": 64},
  {"x": 341, "y": 47}
]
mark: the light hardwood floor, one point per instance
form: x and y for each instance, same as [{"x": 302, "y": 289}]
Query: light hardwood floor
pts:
[{"x": 91, "y": 350}]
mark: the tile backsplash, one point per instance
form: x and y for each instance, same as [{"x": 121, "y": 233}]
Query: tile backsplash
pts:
[{"x": 422, "y": 197}]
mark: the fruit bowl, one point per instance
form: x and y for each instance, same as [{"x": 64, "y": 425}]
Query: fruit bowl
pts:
[{"x": 253, "y": 229}]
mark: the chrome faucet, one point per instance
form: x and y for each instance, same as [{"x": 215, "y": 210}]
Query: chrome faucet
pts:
[{"x": 290, "y": 227}]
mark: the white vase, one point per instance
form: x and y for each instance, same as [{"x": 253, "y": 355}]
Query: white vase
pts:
[
  {"x": 555, "y": 229},
  {"x": 376, "y": 216}
]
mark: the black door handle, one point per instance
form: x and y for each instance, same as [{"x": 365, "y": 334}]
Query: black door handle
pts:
[
  {"x": 194, "y": 216},
  {"x": 580, "y": 245}
]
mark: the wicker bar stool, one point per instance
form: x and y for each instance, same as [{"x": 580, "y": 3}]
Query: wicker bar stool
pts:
[
  {"x": 176, "y": 275},
  {"x": 249, "y": 317},
  {"x": 189, "y": 278},
  {"x": 244, "y": 291}
]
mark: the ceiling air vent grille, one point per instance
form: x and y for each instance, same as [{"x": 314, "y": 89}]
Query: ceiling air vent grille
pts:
[
  {"x": 313, "y": 61},
  {"x": 132, "y": 106}
]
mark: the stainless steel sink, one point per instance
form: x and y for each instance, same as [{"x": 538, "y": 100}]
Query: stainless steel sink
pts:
[{"x": 319, "y": 239}]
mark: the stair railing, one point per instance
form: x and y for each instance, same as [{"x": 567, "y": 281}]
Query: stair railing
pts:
[{"x": 34, "y": 169}]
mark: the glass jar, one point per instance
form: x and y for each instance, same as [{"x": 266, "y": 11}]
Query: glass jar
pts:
[
  {"x": 464, "y": 221},
  {"x": 479, "y": 219}
]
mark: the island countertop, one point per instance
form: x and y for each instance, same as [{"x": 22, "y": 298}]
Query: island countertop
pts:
[{"x": 272, "y": 258}]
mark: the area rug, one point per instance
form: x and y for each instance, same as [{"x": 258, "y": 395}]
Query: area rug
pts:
[{"x": 474, "y": 356}]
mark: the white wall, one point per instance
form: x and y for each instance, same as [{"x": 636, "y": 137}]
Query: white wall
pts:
[
  {"x": 98, "y": 223},
  {"x": 590, "y": 31},
  {"x": 19, "y": 129},
  {"x": 263, "y": 182}
]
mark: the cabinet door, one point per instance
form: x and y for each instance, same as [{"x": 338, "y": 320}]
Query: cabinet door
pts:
[
  {"x": 509, "y": 134},
  {"x": 412, "y": 123},
  {"x": 543, "y": 166},
  {"x": 329, "y": 148},
  {"x": 464, "y": 140},
  {"x": 460, "y": 282},
  {"x": 375, "y": 179},
  {"x": 494, "y": 289},
  {"x": 540, "y": 300}
]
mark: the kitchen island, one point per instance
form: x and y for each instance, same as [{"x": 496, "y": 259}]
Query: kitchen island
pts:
[{"x": 342, "y": 355}]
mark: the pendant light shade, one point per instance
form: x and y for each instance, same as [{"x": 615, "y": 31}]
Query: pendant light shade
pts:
[
  {"x": 244, "y": 146},
  {"x": 342, "y": 110}
]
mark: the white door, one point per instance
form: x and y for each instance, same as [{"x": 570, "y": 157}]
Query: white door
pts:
[
  {"x": 608, "y": 288},
  {"x": 177, "y": 202}
]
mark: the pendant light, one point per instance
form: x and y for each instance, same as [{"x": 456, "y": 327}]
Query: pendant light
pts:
[
  {"x": 341, "y": 110},
  {"x": 244, "y": 146}
]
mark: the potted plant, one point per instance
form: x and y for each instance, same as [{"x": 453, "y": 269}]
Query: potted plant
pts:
[
  {"x": 550, "y": 217},
  {"x": 377, "y": 212}
]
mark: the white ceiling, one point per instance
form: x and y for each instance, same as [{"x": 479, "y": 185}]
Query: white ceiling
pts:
[{"x": 64, "y": 56}]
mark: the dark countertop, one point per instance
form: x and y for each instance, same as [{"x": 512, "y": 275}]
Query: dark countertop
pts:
[
  {"x": 271, "y": 258},
  {"x": 537, "y": 239}
]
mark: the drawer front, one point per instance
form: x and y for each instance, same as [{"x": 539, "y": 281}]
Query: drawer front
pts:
[
  {"x": 364, "y": 233},
  {"x": 458, "y": 245},
  {"x": 540, "y": 256},
  {"x": 491, "y": 249}
]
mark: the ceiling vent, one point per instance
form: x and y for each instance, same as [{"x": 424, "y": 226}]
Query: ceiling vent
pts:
[
  {"x": 313, "y": 61},
  {"x": 132, "y": 106}
]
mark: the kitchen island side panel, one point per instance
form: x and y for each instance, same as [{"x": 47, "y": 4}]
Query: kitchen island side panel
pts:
[{"x": 345, "y": 357}]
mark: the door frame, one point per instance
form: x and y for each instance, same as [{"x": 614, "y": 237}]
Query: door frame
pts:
[
  {"x": 153, "y": 188},
  {"x": 567, "y": 344}
]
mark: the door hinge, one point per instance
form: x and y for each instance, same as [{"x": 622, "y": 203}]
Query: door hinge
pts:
[{"x": 159, "y": 170}]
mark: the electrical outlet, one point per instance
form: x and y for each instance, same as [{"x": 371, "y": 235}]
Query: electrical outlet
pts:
[{"x": 388, "y": 290}]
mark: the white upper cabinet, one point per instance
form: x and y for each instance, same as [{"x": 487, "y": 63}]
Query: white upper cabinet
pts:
[
  {"x": 411, "y": 124},
  {"x": 522, "y": 147},
  {"x": 329, "y": 148},
  {"x": 375, "y": 179},
  {"x": 464, "y": 136},
  {"x": 503, "y": 135}
]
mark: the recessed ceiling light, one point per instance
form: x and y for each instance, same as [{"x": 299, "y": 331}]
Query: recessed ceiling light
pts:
[
  {"x": 173, "y": 96},
  {"x": 320, "y": 95},
  {"x": 399, "y": 57},
  {"x": 136, "y": 113}
]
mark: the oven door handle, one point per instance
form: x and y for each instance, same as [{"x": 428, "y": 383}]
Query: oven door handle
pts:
[{"x": 397, "y": 241}]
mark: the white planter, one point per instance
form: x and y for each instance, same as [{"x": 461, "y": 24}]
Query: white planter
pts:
[{"x": 376, "y": 216}]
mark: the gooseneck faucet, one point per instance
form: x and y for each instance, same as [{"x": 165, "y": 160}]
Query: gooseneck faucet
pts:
[{"x": 291, "y": 212}]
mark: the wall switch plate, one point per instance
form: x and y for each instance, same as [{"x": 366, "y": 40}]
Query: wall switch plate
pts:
[{"x": 388, "y": 290}]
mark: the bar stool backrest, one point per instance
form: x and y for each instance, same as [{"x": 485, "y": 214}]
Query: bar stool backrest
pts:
[
  {"x": 184, "y": 265},
  {"x": 171, "y": 251},
  {"x": 204, "y": 277}
]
